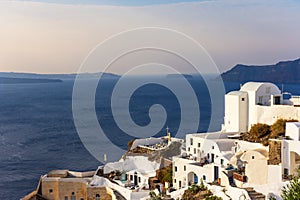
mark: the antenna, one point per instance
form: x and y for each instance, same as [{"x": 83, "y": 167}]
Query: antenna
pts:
[{"x": 282, "y": 88}]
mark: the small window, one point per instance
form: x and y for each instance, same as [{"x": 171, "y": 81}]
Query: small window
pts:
[
  {"x": 175, "y": 169},
  {"x": 191, "y": 141},
  {"x": 50, "y": 191},
  {"x": 195, "y": 150},
  {"x": 184, "y": 168},
  {"x": 73, "y": 197},
  {"x": 243, "y": 99},
  {"x": 204, "y": 177},
  {"x": 66, "y": 198},
  {"x": 81, "y": 198},
  {"x": 73, "y": 193},
  {"x": 131, "y": 177},
  {"x": 208, "y": 156},
  {"x": 222, "y": 162},
  {"x": 179, "y": 184},
  {"x": 139, "y": 179},
  {"x": 199, "y": 144},
  {"x": 252, "y": 157},
  {"x": 189, "y": 149},
  {"x": 174, "y": 180},
  {"x": 213, "y": 147}
]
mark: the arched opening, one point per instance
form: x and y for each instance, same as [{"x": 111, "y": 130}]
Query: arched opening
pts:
[
  {"x": 294, "y": 163},
  {"x": 192, "y": 178}
]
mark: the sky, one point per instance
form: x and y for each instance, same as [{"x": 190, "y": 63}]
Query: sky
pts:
[{"x": 51, "y": 36}]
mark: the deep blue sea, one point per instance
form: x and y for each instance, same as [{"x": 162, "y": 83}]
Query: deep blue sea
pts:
[{"x": 37, "y": 132}]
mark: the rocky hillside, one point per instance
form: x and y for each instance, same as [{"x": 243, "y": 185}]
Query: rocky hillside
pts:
[{"x": 282, "y": 72}]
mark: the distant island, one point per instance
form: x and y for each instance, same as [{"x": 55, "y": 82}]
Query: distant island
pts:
[
  {"x": 19, "y": 78},
  {"x": 5, "y": 80},
  {"x": 175, "y": 76},
  {"x": 282, "y": 72}
]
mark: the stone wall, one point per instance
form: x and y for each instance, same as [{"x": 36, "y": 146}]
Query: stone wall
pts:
[
  {"x": 92, "y": 192},
  {"x": 274, "y": 152}
]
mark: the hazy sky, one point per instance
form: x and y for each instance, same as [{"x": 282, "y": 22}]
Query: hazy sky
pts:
[{"x": 46, "y": 37}]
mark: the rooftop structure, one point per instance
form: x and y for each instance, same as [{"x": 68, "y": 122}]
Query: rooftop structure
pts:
[{"x": 257, "y": 102}]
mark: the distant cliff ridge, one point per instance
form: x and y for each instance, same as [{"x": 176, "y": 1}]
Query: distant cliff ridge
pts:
[{"x": 282, "y": 72}]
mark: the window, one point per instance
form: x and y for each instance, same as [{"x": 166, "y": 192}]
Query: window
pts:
[
  {"x": 73, "y": 197},
  {"x": 213, "y": 147},
  {"x": 189, "y": 149},
  {"x": 260, "y": 100},
  {"x": 252, "y": 157},
  {"x": 222, "y": 162},
  {"x": 50, "y": 191},
  {"x": 174, "y": 180},
  {"x": 208, "y": 156},
  {"x": 285, "y": 171},
  {"x": 81, "y": 198},
  {"x": 66, "y": 198},
  {"x": 243, "y": 99},
  {"x": 195, "y": 151},
  {"x": 139, "y": 179},
  {"x": 191, "y": 141},
  {"x": 179, "y": 184},
  {"x": 199, "y": 144},
  {"x": 268, "y": 90},
  {"x": 184, "y": 168},
  {"x": 175, "y": 169},
  {"x": 204, "y": 177},
  {"x": 131, "y": 177},
  {"x": 73, "y": 193}
]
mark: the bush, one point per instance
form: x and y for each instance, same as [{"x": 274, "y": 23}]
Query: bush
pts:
[
  {"x": 213, "y": 197},
  {"x": 292, "y": 190},
  {"x": 153, "y": 196},
  {"x": 165, "y": 174},
  {"x": 278, "y": 128},
  {"x": 259, "y": 130}
]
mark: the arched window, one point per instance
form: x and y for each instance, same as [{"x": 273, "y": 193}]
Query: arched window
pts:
[{"x": 97, "y": 196}]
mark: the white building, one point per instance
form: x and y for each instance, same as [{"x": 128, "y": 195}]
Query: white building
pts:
[
  {"x": 207, "y": 155},
  {"x": 257, "y": 103}
]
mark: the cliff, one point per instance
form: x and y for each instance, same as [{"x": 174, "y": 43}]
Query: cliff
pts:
[{"x": 282, "y": 72}]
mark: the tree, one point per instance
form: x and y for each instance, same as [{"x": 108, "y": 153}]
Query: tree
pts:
[{"x": 259, "y": 130}]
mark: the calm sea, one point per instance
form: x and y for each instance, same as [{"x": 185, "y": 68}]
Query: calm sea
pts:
[{"x": 37, "y": 132}]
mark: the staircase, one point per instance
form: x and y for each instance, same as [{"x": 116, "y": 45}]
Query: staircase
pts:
[{"x": 255, "y": 195}]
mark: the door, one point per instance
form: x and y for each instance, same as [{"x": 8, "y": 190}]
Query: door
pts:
[
  {"x": 216, "y": 172},
  {"x": 135, "y": 179}
]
